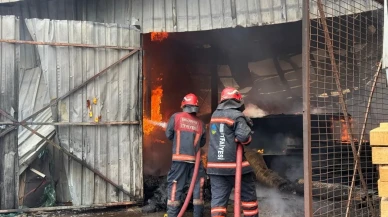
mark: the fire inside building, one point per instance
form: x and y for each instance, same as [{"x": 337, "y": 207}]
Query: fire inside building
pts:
[
  {"x": 265, "y": 64},
  {"x": 95, "y": 94},
  {"x": 249, "y": 59}
]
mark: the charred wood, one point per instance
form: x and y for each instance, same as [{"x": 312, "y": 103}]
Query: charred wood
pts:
[
  {"x": 151, "y": 184},
  {"x": 155, "y": 194}
]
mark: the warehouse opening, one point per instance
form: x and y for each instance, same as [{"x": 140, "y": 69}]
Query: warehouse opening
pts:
[
  {"x": 265, "y": 64},
  {"x": 261, "y": 62}
]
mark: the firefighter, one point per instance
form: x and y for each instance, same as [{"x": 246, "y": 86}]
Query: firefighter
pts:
[
  {"x": 229, "y": 126},
  {"x": 188, "y": 134}
]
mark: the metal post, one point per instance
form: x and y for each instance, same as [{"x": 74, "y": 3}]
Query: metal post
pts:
[
  {"x": 214, "y": 88},
  {"x": 140, "y": 116},
  {"x": 308, "y": 204}
]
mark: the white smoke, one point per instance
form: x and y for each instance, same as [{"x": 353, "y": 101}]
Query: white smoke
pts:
[
  {"x": 252, "y": 111},
  {"x": 274, "y": 199},
  {"x": 317, "y": 110}
]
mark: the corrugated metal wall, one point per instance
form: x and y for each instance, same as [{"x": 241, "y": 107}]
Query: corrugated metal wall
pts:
[
  {"x": 115, "y": 151},
  {"x": 9, "y": 98},
  {"x": 33, "y": 95},
  {"x": 177, "y": 15}
]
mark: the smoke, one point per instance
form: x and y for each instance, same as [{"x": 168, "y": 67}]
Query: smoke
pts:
[
  {"x": 295, "y": 170},
  {"x": 276, "y": 200},
  {"x": 287, "y": 140},
  {"x": 317, "y": 111},
  {"x": 276, "y": 204},
  {"x": 290, "y": 167},
  {"x": 298, "y": 109},
  {"x": 253, "y": 111}
]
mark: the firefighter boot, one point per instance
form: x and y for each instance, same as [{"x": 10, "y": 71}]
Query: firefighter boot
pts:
[{"x": 198, "y": 211}]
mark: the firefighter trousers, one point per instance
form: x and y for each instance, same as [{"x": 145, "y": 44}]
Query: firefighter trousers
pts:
[
  {"x": 178, "y": 177},
  {"x": 221, "y": 187}
]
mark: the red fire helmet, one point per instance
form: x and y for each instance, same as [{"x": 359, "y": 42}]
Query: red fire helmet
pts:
[
  {"x": 230, "y": 93},
  {"x": 189, "y": 99}
]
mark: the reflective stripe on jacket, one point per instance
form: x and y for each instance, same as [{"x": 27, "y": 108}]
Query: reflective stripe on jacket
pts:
[
  {"x": 228, "y": 126},
  {"x": 188, "y": 135}
]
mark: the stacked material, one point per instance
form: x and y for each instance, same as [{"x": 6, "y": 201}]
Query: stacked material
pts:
[{"x": 379, "y": 143}]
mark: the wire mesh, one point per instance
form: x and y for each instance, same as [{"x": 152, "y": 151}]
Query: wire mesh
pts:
[{"x": 347, "y": 91}]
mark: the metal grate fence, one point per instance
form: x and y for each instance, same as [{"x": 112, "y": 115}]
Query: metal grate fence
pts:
[{"x": 348, "y": 98}]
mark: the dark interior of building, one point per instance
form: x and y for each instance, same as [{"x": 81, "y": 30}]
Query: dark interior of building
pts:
[
  {"x": 265, "y": 64},
  {"x": 260, "y": 61}
]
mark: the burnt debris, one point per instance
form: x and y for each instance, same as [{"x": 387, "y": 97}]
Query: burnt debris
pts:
[{"x": 155, "y": 194}]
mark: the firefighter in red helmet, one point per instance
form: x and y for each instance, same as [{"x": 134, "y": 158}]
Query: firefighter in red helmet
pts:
[
  {"x": 228, "y": 127},
  {"x": 187, "y": 132}
]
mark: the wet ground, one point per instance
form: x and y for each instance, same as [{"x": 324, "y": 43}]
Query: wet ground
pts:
[{"x": 271, "y": 204}]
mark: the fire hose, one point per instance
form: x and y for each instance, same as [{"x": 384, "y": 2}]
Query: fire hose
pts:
[
  {"x": 237, "y": 184},
  {"x": 237, "y": 180},
  {"x": 192, "y": 184},
  {"x": 237, "y": 187}
]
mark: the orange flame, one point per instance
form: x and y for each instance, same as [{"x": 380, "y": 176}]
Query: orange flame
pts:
[
  {"x": 345, "y": 134},
  {"x": 158, "y": 36},
  {"x": 156, "y": 100},
  {"x": 344, "y": 131}
]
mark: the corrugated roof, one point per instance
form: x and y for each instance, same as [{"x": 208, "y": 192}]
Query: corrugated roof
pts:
[
  {"x": 181, "y": 16},
  {"x": 216, "y": 14}
]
